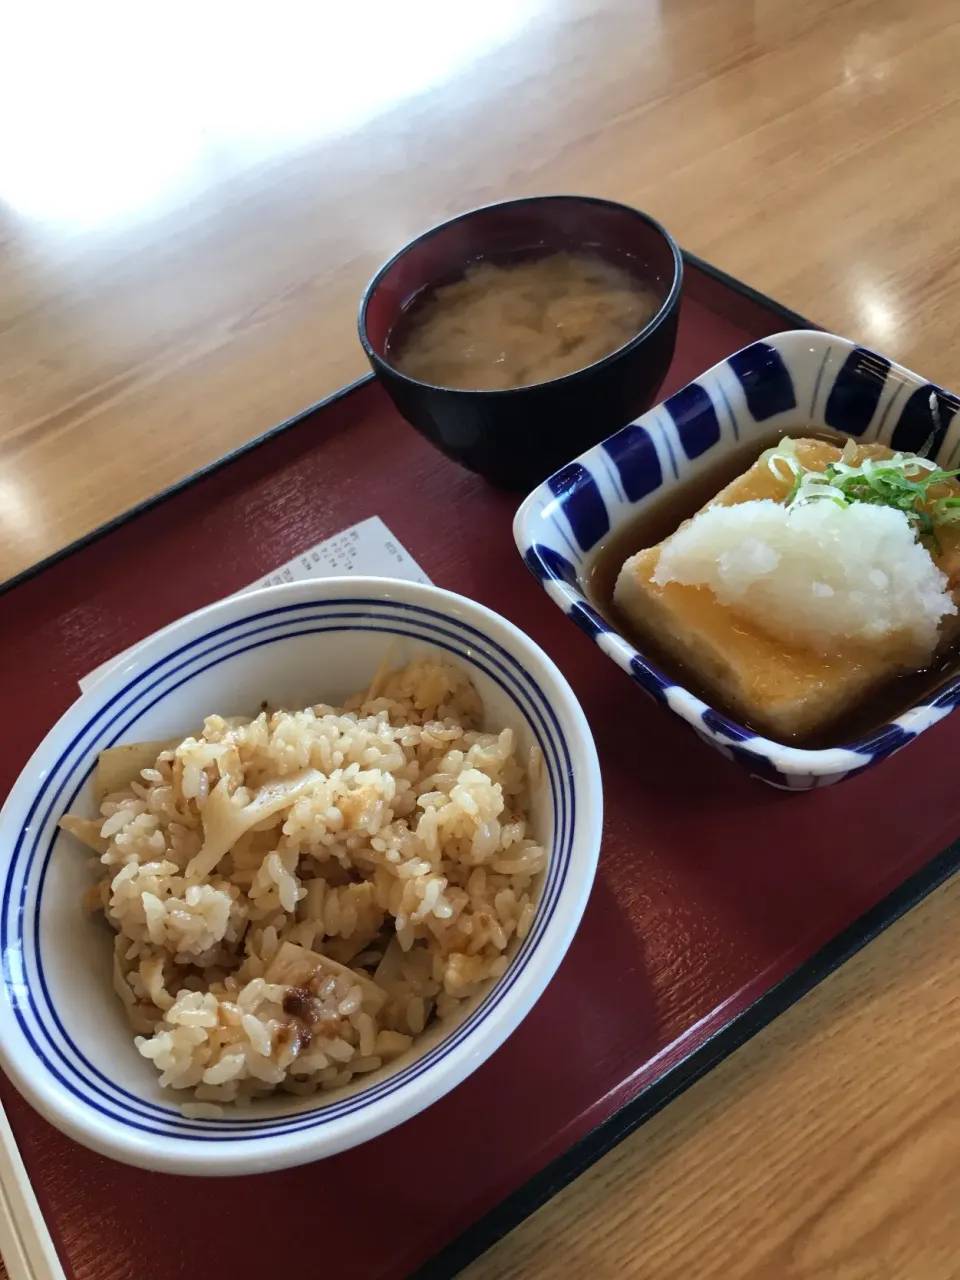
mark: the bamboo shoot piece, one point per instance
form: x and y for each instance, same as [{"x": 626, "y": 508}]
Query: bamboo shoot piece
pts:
[{"x": 295, "y": 966}]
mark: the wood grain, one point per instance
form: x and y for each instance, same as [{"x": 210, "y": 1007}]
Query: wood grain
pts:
[
  {"x": 826, "y": 1147},
  {"x": 177, "y": 277}
]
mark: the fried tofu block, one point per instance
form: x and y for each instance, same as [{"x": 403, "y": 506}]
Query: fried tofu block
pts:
[{"x": 778, "y": 690}]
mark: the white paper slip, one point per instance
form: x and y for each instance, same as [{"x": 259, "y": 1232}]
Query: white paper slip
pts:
[{"x": 365, "y": 549}]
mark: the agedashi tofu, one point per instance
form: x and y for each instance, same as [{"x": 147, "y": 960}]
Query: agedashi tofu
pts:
[{"x": 792, "y": 604}]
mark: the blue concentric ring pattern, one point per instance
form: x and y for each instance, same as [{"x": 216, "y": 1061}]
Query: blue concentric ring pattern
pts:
[
  {"x": 789, "y": 383},
  {"x": 26, "y": 873}
]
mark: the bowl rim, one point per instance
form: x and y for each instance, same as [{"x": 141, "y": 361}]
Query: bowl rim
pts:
[
  {"x": 659, "y": 317},
  {"x": 725, "y": 732},
  {"x": 76, "y": 1115}
]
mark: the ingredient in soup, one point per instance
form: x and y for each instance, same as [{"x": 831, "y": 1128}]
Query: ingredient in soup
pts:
[
  {"x": 805, "y": 584},
  {"x": 297, "y": 896},
  {"x": 522, "y": 323}
]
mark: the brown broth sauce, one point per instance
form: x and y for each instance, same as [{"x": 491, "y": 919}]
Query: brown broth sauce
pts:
[{"x": 663, "y": 518}]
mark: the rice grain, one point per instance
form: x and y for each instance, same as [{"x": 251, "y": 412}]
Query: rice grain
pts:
[{"x": 295, "y": 898}]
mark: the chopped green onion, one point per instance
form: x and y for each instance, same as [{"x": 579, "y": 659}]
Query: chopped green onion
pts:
[{"x": 901, "y": 482}]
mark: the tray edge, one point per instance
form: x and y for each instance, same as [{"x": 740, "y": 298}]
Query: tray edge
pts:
[
  {"x": 179, "y": 486},
  {"x": 793, "y": 319},
  {"x": 532, "y": 1195}
]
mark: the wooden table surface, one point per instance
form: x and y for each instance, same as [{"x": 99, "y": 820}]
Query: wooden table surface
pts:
[{"x": 191, "y": 200}]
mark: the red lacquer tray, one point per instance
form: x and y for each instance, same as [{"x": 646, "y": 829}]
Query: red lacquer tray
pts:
[{"x": 718, "y": 900}]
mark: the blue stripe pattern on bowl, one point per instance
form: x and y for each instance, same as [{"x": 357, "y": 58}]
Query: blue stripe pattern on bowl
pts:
[{"x": 788, "y": 384}]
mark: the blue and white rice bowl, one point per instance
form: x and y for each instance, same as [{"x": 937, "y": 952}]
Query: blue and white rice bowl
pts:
[
  {"x": 64, "y": 1039},
  {"x": 788, "y": 384}
]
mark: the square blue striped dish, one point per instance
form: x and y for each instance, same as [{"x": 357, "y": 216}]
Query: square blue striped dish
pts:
[{"x": 789, "y": 383}]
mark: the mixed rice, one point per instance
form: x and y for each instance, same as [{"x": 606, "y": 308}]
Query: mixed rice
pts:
[{"x": 296, "y": 897}]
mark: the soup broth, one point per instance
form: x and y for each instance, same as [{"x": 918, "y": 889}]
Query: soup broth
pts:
[
  {"x": 514, "y": 324},
  {"x": 664, "y": 518}
]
